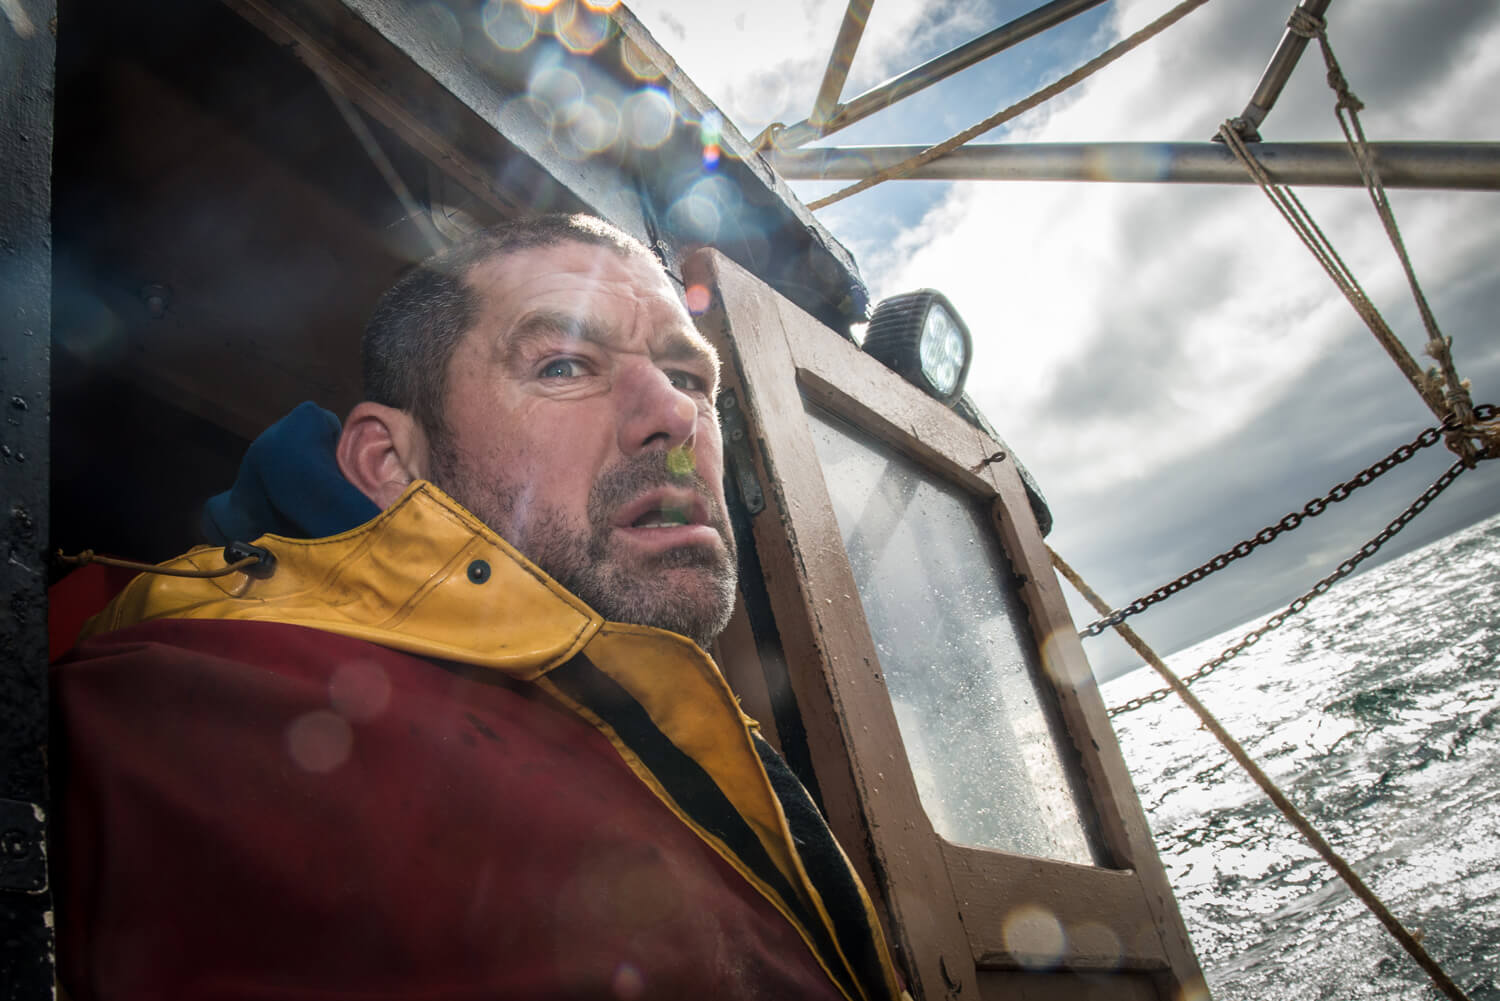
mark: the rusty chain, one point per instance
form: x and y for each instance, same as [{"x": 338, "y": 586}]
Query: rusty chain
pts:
[
  {"x": 1311, "y": 509},
  {"x": 1343, "y": 570}
]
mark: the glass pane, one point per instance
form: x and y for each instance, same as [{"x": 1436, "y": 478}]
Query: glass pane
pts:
[{"x": 980, "y": 729}]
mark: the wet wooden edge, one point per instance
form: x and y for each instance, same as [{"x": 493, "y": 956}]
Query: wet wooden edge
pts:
[
  {"x": 1060, "y": 986},
  {"x": 1083, "y": 708},
  {"x": 1007, "y": 902},
  {"x": 867, "y": 786}
]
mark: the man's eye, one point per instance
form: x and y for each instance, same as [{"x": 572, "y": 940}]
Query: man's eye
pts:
[
  {"x": 562, "y": 368},
  {"x": 687, "y": 382}
]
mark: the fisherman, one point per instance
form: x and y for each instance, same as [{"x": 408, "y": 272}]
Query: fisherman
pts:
[{"x": 456, "y": 736}]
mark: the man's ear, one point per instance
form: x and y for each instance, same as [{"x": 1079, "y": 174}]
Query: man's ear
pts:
[{"x": 381, "y": 451}]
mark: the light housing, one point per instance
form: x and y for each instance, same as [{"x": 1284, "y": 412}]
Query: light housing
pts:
[{"x": 920, "y": 337}]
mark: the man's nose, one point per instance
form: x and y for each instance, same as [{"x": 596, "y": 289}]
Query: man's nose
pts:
[{"x": 653, "y": 413}]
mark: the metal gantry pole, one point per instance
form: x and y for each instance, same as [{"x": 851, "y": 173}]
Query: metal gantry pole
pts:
[
  {"x": 1450, "y": 165},
  {"x": 839, "y": 61},
  {"x": 1275, "y": 76},
  {"x": 929, "y": 73}
]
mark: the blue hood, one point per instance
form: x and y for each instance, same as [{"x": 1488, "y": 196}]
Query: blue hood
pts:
[{"x": 289, "y": 484}]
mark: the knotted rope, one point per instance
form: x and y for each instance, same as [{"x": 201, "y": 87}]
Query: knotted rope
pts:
[{"x": 1445, "y": 394}]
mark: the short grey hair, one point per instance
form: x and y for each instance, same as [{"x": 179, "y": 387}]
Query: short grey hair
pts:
[{"x": 418, "y": 323}]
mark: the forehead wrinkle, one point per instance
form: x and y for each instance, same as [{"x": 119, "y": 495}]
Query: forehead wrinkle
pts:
[{"x": 541, "y": 328}]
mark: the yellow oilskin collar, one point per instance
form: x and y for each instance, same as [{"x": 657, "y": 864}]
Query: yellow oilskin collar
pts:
[{"x": 424, "y": 576}]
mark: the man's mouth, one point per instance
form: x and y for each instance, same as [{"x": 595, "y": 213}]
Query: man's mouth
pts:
[
  {"x": 664, "y": 517},
  {"x": 664, "y": 507}
]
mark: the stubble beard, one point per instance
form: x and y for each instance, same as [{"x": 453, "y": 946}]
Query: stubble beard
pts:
[{"x": 688, "y": 590}]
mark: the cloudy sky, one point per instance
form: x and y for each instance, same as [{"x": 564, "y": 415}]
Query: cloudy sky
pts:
[{"x": 1168, "y": 360}]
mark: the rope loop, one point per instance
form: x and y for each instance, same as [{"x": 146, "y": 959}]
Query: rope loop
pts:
[
  {"x": 1306, "y": 24},
  {"x": 1339, "y": 84}
]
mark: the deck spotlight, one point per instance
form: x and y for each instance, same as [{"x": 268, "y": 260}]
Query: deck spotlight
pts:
[{"x": 920, "y": 337}]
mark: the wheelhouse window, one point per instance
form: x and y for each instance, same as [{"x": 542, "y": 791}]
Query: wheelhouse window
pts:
[{"x": 981, "y": 733}]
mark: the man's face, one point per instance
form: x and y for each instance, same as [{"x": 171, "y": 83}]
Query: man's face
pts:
[{"x": 581, "y": 428}]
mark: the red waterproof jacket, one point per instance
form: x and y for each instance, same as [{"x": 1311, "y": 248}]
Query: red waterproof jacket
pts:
[{"x": 410, "y": 765}]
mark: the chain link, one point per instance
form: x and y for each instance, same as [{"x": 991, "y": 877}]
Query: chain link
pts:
[
  {"x": 1311, "y": 509},
  {"x": 1343, "y": 570}
]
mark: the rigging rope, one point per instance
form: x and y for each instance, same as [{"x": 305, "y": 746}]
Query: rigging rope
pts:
[
  {"x": 1438, "y": 346},
  {"x": 1445, "y": 394},
  {"x": 1322, "y": 249},
  {"x": 1109, "y": 55},
  {"x": 1366, "y": 895}
]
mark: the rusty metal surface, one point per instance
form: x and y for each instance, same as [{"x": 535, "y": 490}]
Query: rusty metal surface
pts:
[{"x": 27, "y": 54}]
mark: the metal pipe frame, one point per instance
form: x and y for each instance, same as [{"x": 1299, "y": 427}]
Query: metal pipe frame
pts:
[
  {"x": 930, "y": 72},
  {"x": 1443, "y": 165},
  {"x": 1275, "y": 75},
  {"x": 839, "y": 60}
]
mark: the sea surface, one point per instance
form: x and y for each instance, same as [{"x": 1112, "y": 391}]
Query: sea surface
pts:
[{"x": 1378, "y": 712}]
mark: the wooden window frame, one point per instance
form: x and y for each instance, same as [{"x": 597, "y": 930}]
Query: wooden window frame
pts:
[{"x": 945, "y": 906}]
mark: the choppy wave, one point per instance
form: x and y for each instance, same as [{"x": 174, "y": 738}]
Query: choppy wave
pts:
[{"x": 1378, "y": 712}]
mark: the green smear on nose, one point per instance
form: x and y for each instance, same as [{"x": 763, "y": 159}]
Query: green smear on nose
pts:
[{"x": 680, "y": 461}]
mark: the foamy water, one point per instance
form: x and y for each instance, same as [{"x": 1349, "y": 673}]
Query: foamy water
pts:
[{"x": 1378, "y": 712}]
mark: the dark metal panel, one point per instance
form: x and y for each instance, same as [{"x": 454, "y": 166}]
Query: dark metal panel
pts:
[
  {"x": 27, "y": 57},
  {"x": 473, "y": 80},
  {"x": 764, "y": 228}
]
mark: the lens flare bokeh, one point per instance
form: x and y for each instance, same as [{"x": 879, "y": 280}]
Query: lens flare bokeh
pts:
[
  {"x": 1034, "y": 936},
  {"x": 647, "y": 117},
  {"x": 638, "y": 63},
  {"x": 581, "y": 29},
  {"x": 510, "y": 26},
  {"x": 593, "y": 125},
  {"x": 708, "y": 135}
]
